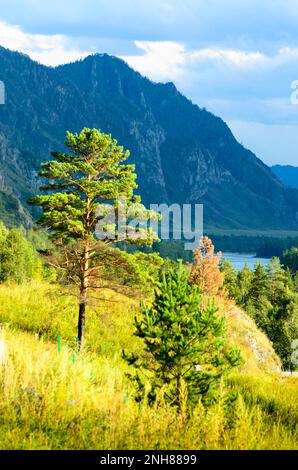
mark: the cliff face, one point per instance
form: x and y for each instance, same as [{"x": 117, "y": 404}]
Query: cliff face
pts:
[{"x": 182, "y": 153}]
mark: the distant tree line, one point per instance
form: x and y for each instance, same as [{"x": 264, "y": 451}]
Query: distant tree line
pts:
[
  {"x": 270, "y": 296},
  {"x": 261, "y": 246}
]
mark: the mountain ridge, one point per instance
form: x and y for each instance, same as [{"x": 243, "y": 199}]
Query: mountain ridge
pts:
[
  {"x": 183, "y": 153},
  {"x": 287, "y": 174}
]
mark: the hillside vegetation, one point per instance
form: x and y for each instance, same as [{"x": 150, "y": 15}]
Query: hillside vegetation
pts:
[
  {"x": 45, "y": 310},
  {"x": 57, "y": 400},
  {"x": 86, "y": 365}
]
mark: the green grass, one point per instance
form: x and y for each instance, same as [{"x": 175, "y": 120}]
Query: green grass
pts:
[
  {"x": 49, "y": 402},
  {"x": 277, "y": 396},
  {"x": 41, "y": 308}
]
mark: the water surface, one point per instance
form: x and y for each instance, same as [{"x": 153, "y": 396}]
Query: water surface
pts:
[{"x": 238, "y": 260}]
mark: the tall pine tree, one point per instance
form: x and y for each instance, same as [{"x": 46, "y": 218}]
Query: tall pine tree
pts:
[{"x": 85, "y": 187}]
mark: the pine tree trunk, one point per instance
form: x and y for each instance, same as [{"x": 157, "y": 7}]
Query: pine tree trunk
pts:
[
  {"x": 81, "y": 323},
  {"x": 83, "y": 294},
  {"x": 84, "y": 280}
]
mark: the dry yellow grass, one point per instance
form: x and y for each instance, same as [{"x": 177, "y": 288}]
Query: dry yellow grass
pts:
[
  {"x": 256, "y": 349},
  {"x": 48, "y": 402}
]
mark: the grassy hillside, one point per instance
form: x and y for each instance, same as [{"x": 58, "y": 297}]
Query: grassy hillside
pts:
[
  {"x": 49, "y": 402},
  {"x": 56, "y": 400},
  {"x": 256, "y": 349},
  {"x": 44, "y": 309}
]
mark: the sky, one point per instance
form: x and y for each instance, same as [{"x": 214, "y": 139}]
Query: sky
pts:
[{"x": 237, "y": 58}]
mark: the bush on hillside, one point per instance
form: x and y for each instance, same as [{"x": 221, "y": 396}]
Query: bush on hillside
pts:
[{"x": 185, "y": 351}]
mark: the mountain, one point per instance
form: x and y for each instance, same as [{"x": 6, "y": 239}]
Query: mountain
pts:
[
  {"x": 183, "y": 154},
  {"x": 287, "y": 174}
]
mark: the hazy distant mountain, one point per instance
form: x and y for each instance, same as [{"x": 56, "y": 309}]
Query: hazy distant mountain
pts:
[
  {"x": 287, "y": 174},
  {"x": 182, "y": 153}
]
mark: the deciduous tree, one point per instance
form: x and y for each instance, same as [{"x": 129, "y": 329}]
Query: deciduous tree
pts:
[{"x": 205, "y": 270}]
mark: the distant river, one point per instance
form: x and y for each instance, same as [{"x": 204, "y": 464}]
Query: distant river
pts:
[{"x": 238, "y": 260}]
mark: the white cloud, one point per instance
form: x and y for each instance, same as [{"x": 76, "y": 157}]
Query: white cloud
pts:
[
  {"x": 237, "y": 58},
  {"x": 46, "y": 49},
  {"x": 162, "y": 60},
  {"x": 168, "y": 60}
]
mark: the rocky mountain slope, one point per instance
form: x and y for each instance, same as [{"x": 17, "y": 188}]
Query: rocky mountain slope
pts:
[
  {"x": 287, "y": 174},
  {"x": 183, "y": 154}
]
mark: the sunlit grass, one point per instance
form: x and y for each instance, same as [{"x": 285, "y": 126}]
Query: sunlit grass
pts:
[
  {"x": 51, "y": 400},
  {"x": 276, "y": 395},
  {"x": 45, "y": 310}
]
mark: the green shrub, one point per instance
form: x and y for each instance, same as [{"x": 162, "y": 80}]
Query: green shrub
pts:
[{"x": 185, "y": 349}]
